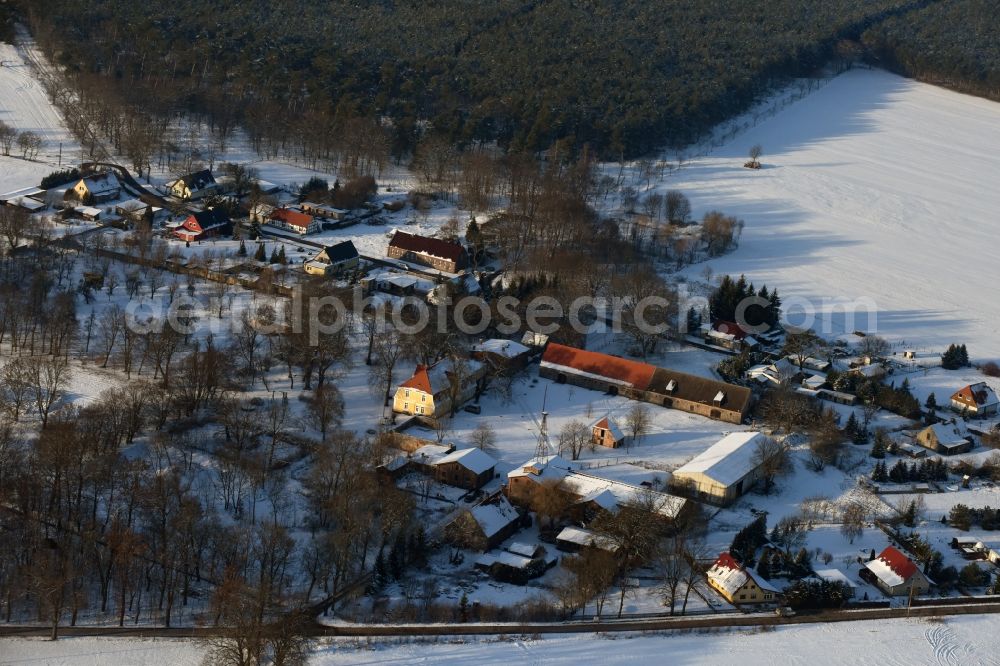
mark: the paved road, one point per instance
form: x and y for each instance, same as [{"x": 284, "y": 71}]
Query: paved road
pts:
[{"x": 652, "y": 624}]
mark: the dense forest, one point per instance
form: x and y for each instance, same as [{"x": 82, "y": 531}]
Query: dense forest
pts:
[
  {"x": 955, "y": 44},
  {"x": 621, "y": 77}
]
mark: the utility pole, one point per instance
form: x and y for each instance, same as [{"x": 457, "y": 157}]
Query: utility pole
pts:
[{"x": 60, "y": 153}]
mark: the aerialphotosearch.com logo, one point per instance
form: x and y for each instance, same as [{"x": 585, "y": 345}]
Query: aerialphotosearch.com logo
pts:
[{"x": 318, "y": 316}]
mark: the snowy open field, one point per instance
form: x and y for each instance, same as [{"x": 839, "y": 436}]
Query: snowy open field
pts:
[
  {"x": 874, "y": 188},
  {"x": 957, "y": 641}
]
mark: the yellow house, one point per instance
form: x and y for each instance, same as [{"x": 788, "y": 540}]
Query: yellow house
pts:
[
  {"x": 99, "y": 186},
  {"x": 740, "y": 585},
  {"x": 194, "y": 185},
  {"x": 429, "y": 392}
]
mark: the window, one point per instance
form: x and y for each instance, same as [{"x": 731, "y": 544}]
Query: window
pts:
[
  {"x": 767, "y": 596},
  {"x": 716, "y": 414},
  {"x": 406, "y": 393},
  {"x": 743, "y": 596},
  {"x": 423, "y": 397},
  {"x": 406, "y": 406}
]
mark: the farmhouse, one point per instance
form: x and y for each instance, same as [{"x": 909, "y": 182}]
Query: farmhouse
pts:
[
  {"x": 976, "y": 400},
  {"x": 334, "y": 259},
  {"x": 834, "y": 575},
  {"x": 484, "y": 526},
  {"x": 605, "y": 432},
  {"x": 725, "y": 470},
  {"x": 642, "y": 381},
  {"x": 193, "y": 186},
  {"x": 740, "y": 585},
  {"x": 947, "y": 437},
  {"x": 780, "y": 373},
  {"x": 205, "y": 224},
  {"x": 465, "y": 468},
  {"x": 432, "y": 389},
  {"x": 293, "y": 220},
  {"x": 895, "y": 574},
  {"x": 443, "y": 255},
  {"x": 100, "y": 186}
]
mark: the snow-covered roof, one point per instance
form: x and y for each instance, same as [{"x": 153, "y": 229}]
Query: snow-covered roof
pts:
[
  {"x": 431, "y": 454},
  {"x": 503, "y": 557},
  {"x": 583, "y": 537},
  {"x": 500, "y": 347},
  {"x": 727, "y": 575},
  {"x": 834, "y": 576},
  {"x": 892, "y": 567},
  {"x": 523, "y": 549},
  {"x": 950, "y": 433},
  {"x": 133, "y": 205},
  {"x": 102, "y": 183},
  {"x": 728, "y": 460},
  {"x": 978, "y": 396},
  {"x": 612, "y": 494},
  {"x": 495, "y": 516},
  {"x": 472, "y": 459},
  {"x": 28, "y": 204},
  {"x": 608, "y": 423},
  {"x": 88, "y": 211},
  {"x": 543, "y": 468},
  {"x": 534, "y": 339}
]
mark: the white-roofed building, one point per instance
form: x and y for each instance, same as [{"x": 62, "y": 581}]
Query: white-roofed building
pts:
[
  {"x": 573, "y": 539},
  {"x": 465, "y": 468},
  {"x": 837, "y": 576},
  {"x": 740, "y": 585},
  {"x": 725, "y": 470}
]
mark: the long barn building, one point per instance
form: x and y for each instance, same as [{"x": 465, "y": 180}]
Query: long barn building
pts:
[{"x": 645, "y": 382}]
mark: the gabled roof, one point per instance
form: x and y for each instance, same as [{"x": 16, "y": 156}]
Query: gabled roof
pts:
[
  {"x": 892, "y": 567},
  {"x": 436, "y": 378},
  {"x": 543, "y": 468},
  {"x": 292, "y": 217},
  {"x": 700, "y": 389},
  {"x": 472, "y": 459},
  {"x": 583, "y": 537},
  {"x": 102, "y": 183},
  {"x": 211, "y": 217},
  {"x": 344, "y": 251},
  {"x": 500, "y": 347},
  {"x": 425, "y": 245},
  {"x": 949, "y": 433},
  {"x": 595, "y": 364},
  {"x": 612, "y": 494},
  {"x": 729, "y": 328},
  {"x": 495, "y": 516},
  {"x": 730, "y": 576},
  {"x": 728, "y": 460},
  {"x": 978, "y": 395},
  {"x": 608, "y": 423},
  {"x": 198, "y": 180}
]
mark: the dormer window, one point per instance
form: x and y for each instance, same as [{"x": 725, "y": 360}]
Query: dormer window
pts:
[
  {"x": 720, "y": 398},
  {"x": 671, "y": 386}
]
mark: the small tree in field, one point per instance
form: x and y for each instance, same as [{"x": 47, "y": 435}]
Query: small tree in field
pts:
[{"x": 756, "y": 151}]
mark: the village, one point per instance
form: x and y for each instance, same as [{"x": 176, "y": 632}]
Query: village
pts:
[{"x": 735, "y": 468}]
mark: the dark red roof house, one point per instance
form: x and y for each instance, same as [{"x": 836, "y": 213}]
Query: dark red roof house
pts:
[
  {"x": 443, "y": 255},
  {"x": 205, "y": 224}
]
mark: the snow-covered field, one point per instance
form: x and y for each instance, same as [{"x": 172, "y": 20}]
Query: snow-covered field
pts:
[
  {"x": 875, "y": 190},
  {"x": 957, "y": 641}
]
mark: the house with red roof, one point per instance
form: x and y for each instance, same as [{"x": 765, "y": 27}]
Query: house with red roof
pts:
[
  {"x": 977, "y": 399},
  {"x": 433, "y": 389},
  {"x": 204, "y": 224},
  {"x": 740, "y": 585},
  {"x": 641, "y": 381},
  {"x": 443, "y": 255},
  {"x": 293, "y": 220},
  {"x": 895, "y": 574}
]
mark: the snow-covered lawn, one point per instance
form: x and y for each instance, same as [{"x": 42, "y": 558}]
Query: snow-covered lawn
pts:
[
  {"x": 903, "y": 642},
  {"x": 874, "y": 188}
]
